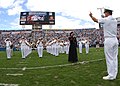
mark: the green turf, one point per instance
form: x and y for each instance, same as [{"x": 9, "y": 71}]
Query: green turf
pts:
[{"x": 89, "y": 74}]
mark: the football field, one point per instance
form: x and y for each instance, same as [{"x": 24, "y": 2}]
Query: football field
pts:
[{"x": 55, "y": 71}]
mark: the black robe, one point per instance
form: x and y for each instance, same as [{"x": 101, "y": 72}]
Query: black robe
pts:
[{"x": 72, "y": 56}]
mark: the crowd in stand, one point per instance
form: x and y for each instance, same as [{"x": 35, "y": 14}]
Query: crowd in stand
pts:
[{"x": 94, "y": 35}]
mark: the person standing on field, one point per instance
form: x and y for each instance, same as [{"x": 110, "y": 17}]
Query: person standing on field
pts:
[
  {"x": 8, "y": 49},
  {"x": 110, "y": 43},
  {"x": 25, "y": 47},
  {"x": 72, "y": 56},
  {"x": 80, "y": 46},
  {"x": 40, "y": 47},
  {"x": 87, "y": 46}
]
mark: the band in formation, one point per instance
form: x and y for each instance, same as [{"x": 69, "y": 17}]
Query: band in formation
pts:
[{"x": 54, "y": 46}]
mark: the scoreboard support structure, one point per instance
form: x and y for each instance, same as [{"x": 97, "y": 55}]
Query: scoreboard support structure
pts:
[{"x": 36, "y": 26}]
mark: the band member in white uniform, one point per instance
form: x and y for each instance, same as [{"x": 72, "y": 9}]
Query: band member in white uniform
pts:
[
  {"x": 25, "y": 48},
  {"x": 40, "y": 47},
  {"x": 53, "y": 47},
  {"x": 110, "y": 43},
  {"x": 11, "y": 47},
  {"x": 8, "y": 49},
  {"x": 87, "y": 46},
  {"x": 48, "y": 47},
  {"x": 62, "y": 46},
  {"x": 67, "y": 44},
  {"x": 56, "y": 47},
  {"x": 80, "y": 46}
]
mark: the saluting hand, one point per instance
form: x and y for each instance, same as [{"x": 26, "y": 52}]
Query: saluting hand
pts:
[{"x": 90, "y": 14}]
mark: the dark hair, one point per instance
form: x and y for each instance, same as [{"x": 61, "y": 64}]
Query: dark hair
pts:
[
  {"x": 108, "y": 11},
  {"x": 71, "y": 33}
]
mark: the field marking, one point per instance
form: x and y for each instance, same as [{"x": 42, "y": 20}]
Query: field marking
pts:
[
  {"x": 24, "y": 68},
  {"x": 23, "y": 62},
  {"x": 53, "y": 66},
  {"x": 83, "y": 62},
  {"x": 3, "y": 84},
  {"x": 17, "y": 74},
  {"x": 10, "y": 68}
]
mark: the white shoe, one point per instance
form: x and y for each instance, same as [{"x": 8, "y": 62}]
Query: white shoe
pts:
[
  {"x": 108, "y": 78},
  {"x": 8, "y": 57},
  {"x": 23, "y": 57}
]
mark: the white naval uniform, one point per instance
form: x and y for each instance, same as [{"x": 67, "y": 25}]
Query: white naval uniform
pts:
[
  {"x": 40, "y": 49},
  {"x": 56, "y": 49},
  {"x": 87, "y": 47},
  {"x": 8, "y": 49},
  {"x": 80, "y": 47},
  {"x": 67, "y": 47},
  {"x": 62, "y": 48},
  {"x": 110, "y": 45},
  {"x": 53, "y": 48},
  {"x": 48, "y": 47},
  {"x": 25, "y": 49}
]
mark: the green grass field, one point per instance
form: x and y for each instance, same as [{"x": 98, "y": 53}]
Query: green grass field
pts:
[{"x": 55, "y": 71}]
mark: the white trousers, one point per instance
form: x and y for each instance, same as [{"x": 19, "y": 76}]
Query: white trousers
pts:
[
  {"x": 67, "y": 49},
  {"x": 80, "y": 48},
  {"x": 25, "y": 50},
  {"x": 111, "y": 54},
  {"x": 87, "y": 49},
  {"x": 40, "y": 51},
  {"x": 62, "y": 48},
  {"x": 8, "y": 52},
  {"x": 56, "y": 51}
]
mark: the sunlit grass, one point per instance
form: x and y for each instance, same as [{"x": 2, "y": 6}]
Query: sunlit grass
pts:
[{"x": 89, "y": 74}]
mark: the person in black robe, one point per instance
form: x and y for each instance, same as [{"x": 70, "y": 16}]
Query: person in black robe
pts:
[{"x": 72, "y": 56}]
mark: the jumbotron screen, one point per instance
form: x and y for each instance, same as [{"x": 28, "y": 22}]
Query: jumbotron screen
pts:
[{"x": 37, "y": 17}]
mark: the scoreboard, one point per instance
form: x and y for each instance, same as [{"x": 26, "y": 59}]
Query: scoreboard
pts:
[{"x": 37, "y": 17}]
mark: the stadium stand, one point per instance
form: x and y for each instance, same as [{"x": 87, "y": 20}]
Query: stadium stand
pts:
[{"x": 47, "y": 34}]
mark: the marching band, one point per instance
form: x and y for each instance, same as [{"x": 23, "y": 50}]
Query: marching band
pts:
[{"x": 54, "y": 46}]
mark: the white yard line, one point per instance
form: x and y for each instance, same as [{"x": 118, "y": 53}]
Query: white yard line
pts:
[
  {"x": 3, "y": 84},
  {"x": 83, "y": 62},
  {"x": 23, "y": 62},
  {"x": 10, "y": 68},
  {"x": 17, "y": 74},
  {"x": 43, "y": 67}
]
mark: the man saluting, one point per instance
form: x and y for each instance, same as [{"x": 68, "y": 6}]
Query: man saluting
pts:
[{"x": 110, "y": 43}]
